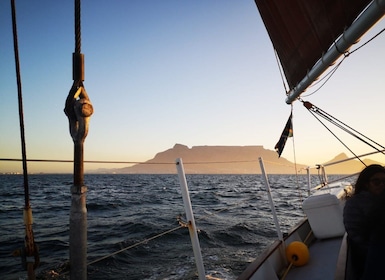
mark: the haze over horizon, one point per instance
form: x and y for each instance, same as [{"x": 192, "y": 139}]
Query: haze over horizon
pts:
[{"x": 166, "y": 72}]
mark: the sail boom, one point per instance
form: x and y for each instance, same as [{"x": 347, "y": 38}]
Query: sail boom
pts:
[{"x": 367, "y": 19}]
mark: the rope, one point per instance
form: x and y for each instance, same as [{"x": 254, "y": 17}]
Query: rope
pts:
[
  {"x": 128, "y": 247},
  {"x": 327, "y": 77},
  {"x": 292, "y": 261},
  {"x": 30, "y": 248},
  {"x": 140, "y": 162},
  {"x": 181, "y": 225},
  {"x": 136, "y": 244},
  {"x": 280, "y": 70},
  {"x": 71, "y": 161},
  {"x": 287, "y": 270},
  {"x": 367, "y": 42},
  {"x": 334, "y": 69},
  {"x": 322, "y": 185}
]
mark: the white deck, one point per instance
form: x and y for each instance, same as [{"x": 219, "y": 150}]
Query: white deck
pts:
[
  {"x": 324, "y": 266},
  {"x": 322, "y": 231}
]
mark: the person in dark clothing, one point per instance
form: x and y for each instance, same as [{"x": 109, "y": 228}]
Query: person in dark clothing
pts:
[{"x": 364, "y": 221}]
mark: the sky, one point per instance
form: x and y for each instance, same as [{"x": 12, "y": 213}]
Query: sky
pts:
[{"x": 165, "y": 72}]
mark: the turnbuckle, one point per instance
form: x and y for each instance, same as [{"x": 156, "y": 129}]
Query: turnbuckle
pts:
[{"x": 78, "y": 109}]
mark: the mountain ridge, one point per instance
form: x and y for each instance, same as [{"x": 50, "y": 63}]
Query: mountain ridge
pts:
[{"x": 230, "y": 160}]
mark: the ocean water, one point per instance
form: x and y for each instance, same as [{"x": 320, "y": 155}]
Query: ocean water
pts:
[{"x": 231, "y": 212}]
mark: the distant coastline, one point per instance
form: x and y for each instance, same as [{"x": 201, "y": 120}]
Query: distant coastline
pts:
[
  {"x": 218, "y": 160},
  {"x": 229, "y": 160}
]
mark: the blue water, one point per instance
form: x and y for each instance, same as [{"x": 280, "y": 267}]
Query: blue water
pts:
[{"x": 231, "y": 212}]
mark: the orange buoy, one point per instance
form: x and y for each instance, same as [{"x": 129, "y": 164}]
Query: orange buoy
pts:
[{"x": 297, "y": 253}]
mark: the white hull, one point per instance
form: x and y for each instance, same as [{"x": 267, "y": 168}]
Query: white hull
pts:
[{"x": 327, "y": 255}]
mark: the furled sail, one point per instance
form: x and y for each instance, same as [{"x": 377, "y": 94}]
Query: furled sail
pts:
[{"x": 303, "y": 32}]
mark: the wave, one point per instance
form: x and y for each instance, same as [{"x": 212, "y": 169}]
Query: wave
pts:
[{"x": 232, "y": 215}]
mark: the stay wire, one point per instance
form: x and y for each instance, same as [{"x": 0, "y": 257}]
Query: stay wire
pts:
[
  {"x": 367, "y": 42},
  {"x": 353, "y": 132},
  {"x": 338, "y": 139},
  {"x": 334, "y": 69},
  {"x": 77, "y": 27},
  {"x": 346, "y": 128},
  {"x": 30, "y": 248},
  {"x": 20, "y": 104},
  {"x": 136, "y": 244},
  {"x": 280, "y": 71},
  {"x": 138, "y": 162},
  {"x": 130, "y": 247},
  {"x": 327, "y": 77},
  {"x": 314, "y": 115}
]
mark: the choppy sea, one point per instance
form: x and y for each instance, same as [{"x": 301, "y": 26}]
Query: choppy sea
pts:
[{"x": 232, "y": 214}]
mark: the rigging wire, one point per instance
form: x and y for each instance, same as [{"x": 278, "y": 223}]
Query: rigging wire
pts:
[
  {"x": 78, "y": 109},
  {"x": 131, "y": 246},
  {"x": 140, "y": 162},
  {"x": 327, "y": 77},
  {"x": 334, "y": 69},
  {"x": 367, "y": 42},
  {"x": 337, "y": 138},
  {"x": 137, "y": 244},
  {"x": 30, "y": 248},
  {"x": 315, "y": 110},
  {"x": 280, "y": 71},
  {"x": 344, "y": 126},
  {"x": 186, "y": 163},
  {"x": 20, "y": 106}
]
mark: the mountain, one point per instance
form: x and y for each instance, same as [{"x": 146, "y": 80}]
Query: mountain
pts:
[
  {"x": 230, "y": 160},
  {"x": 347, "y": 167},
  {"x": 213, "y": 160}
]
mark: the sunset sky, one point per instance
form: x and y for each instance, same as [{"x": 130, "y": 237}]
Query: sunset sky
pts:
[{"x": 165, "y": 72}]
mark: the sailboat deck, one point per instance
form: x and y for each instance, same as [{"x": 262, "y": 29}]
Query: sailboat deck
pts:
[{"x": 322, "y": 267}]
